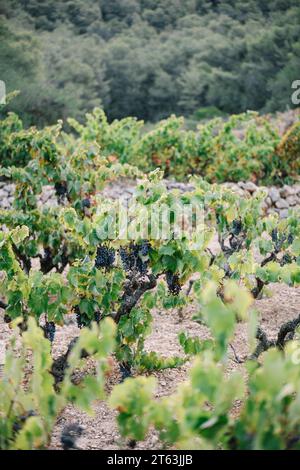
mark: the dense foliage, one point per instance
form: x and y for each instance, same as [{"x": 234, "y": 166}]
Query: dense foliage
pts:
[
  {"x": 242, "y": 148},
  {"x": 148, "y": 58}
]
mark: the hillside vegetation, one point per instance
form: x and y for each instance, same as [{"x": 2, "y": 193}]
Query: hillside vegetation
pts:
[{"x": 148, "y": 58}]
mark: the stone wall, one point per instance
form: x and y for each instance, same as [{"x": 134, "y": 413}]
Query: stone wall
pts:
[
  {"x": 46, "y": 198},
  {"x": 278, "y": 199}
]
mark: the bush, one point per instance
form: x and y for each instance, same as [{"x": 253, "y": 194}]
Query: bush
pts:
[
  {"x": 242, "y": 147},
  {"x": 288, "y": 153}
]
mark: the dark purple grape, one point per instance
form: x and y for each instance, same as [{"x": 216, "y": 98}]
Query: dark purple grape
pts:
[
  {"x": 237, "y": 227},
  {"x": 274, "y": 235},
  {"x": 145, "y": 247},
  {"x": 47, "y": 253},
  {"x": 61, "y": 190},
  {"x": 125, "y": 371},
  {"x": 290, "y": 239},
  {"x": 79, "y": 319},
  {"x": 97, "y": 317},
  {"x": 49, "y": 330},
  {"x": 127, "y": 259},
  {"x": 21, "y": 420},
  {"x": 132, "y": 257},
  {"x": 173, "y": 283},
  {"x": 105, "y": 257},
  {"x": 286, "y": 259},
  {"x": 141, "y": 266},
  {"x": 86, "y": 203}
]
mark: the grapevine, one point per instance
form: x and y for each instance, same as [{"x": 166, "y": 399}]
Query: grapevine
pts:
[{"x": 57, "y": 260}]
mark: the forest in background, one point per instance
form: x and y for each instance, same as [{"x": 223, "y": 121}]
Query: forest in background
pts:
[{"x": 148, "y": 58}]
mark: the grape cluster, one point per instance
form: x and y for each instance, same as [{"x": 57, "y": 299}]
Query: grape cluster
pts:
[
  {"x": 274, "y": 235},
  {"x": 279, "y": 241},
  {"x": 286, "y": 259},
  {"x": 127, "y": 258},
  {"x": 61, "y": 190},
  {"x": 125, "y": 371},
  {"x": 173, "y": 283},
  {"x": 97, "y": 317},
  {"x": 105, "y": 257},
  {"x": 83, "y": 319},
  {"x": 47, "y": 253},
  {"x": 49, "y": 330},
  {"x": 290, "y": 239},
  {"x": 237, "y": 227},
  {"x": 79, "y": 319},
  {"x": 21, "y": 420},
  {"x": 133, "y": 257},
  {"x": 145, "y": 247},
  {"x": 86, "y": 203}
]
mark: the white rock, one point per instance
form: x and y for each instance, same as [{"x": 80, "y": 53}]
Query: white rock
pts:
[
  {"x": 283, "y": 213},
  {"x": 264, "y": 205},
  {"x": 274, "y": 194},
  {"x": 292, "y": 200},
  {"x": 286, "y": 191},
  {"x": 240, "y": 192},
  {"x": 268, "y": 201},
  {"x": 296, "y": 188},
  {"x": 10, "y": 188},
  {"x": 281, "y": 204},
  {"x": 251, "y": 187}
]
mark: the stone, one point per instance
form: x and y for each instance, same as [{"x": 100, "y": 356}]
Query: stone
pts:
[
  {"x": 283, "y": 214},
  {"x": 287, "y": 191},
  {"x": 250, "y": 187},
  {"x": 296, "y": 188},
  {"x": 268, "y": 201},
  {"x": 274, "y": 194},
  {"x": 5, "y": 203},
  {"x": 292, "y": 200},
  {"x": 264, "y": 206},
  {"x": 281, "y": 204},
  {"x": 10, "y": 188},
  {"x": 240, "y": 192},
  {"x": 229, "y": 185}
]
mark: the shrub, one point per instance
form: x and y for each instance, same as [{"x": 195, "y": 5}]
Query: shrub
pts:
[{"x": 288, "y": 154}]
